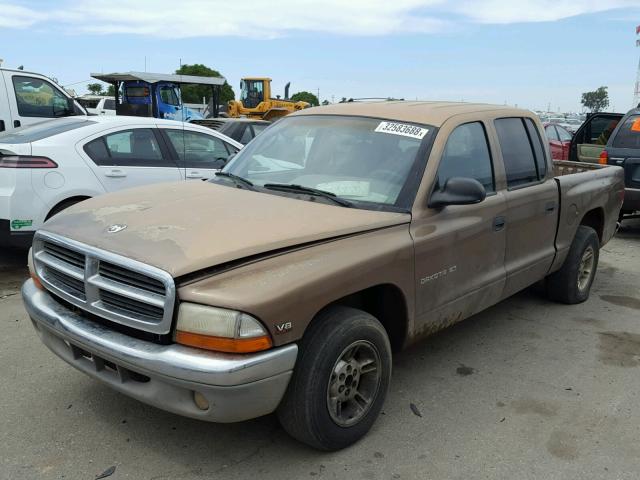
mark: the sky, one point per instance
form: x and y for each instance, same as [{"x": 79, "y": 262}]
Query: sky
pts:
[{"x": 534, "y": 54}]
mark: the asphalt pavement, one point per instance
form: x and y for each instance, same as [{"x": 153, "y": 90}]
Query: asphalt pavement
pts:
[{"x": 528, "y": 389}]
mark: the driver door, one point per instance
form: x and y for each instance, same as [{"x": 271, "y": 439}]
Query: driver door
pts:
[
  {"x": 33, "y": 99},
  {"x": 460, "y": 249},
  {"x": 198, "y": 154}
]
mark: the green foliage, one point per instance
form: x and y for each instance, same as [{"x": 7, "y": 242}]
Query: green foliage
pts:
[
  {"x": 111, "y": 91},
  {"x": 194, "y": 93},
  {"x": 597, "y": 100},
  {"x": 306, "y": 97},
  {"x": 95, "y": 89}
]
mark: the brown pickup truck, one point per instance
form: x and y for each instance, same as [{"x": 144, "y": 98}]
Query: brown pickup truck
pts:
[{"x": 340, "y": 234}]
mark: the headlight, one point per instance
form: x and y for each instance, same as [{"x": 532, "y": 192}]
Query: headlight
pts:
[{"x": 220, "y": 329}]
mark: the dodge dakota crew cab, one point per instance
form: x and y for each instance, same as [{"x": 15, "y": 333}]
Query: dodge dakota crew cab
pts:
[{"x": 338, "y": 235}]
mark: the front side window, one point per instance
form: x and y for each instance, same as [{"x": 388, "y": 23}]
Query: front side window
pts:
[
  {"x": 39, "y": 98},
  {"x": 197, "y": 150},
  {"x": 169, "y": 96},
  {"x": 359, "y": 159},
  {"x": 628, "y": 135},
  {"x": 466, "y": 154},
  {"x": 517, "y": 154},
  {"x": 109, "y": 104},
  {"x": 133, "y": 148},
  {"x": 564, "y": 135},
  {"x": 600, "y": 129}
]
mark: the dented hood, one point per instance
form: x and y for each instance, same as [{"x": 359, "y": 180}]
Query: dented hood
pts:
[{"x": 189, "y": 226}]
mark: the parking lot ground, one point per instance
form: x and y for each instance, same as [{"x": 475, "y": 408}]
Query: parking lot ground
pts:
[{"x": 527, "y": 389}]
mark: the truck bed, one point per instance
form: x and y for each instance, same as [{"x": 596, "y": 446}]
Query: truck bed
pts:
[{"x": 586, "y": 190}]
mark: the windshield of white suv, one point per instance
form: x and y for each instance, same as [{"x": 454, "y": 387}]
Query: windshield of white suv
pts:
[{"x": 360, "y": 160}]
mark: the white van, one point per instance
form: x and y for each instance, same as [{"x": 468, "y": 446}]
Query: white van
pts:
[{"x": 27, "y": 98}]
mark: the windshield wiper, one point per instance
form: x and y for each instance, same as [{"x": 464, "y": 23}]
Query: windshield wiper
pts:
[
  {"x": 237, "y": 179},
  {"x": 289, "y": 187}
]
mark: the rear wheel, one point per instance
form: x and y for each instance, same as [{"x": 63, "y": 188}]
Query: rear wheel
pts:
[
  {"x": 572, "y": 283},
  {"x": 340, "y": 381}
]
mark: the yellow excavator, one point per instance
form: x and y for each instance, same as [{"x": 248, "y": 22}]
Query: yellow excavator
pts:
[{"x": 256, "y": 102}]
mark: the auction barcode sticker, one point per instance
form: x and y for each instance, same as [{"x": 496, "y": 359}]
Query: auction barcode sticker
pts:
[{"x": 403, "y": 129}]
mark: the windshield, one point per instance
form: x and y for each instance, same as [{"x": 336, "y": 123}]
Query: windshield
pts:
[{"x": 363, "y": 160}]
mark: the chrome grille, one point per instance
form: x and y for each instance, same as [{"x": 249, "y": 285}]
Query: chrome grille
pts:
[{"x": 108, "y": 285}]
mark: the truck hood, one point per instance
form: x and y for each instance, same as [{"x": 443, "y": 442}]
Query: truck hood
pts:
[{"x": 189, "y": 226}]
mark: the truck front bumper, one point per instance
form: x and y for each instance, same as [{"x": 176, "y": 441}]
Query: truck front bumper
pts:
[{"x": 236, "y": 387}]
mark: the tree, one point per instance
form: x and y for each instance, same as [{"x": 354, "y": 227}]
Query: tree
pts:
[
  {"x": 111, "y": 91},
  {"x": 306, "y": 97},
  {"x": 597, "y": 100},
  {"x": 195, "y": 93},
  {"x": 95, "y": 89}
]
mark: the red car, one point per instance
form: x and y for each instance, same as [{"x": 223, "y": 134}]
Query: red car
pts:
[{"x": 559, "y": 141}]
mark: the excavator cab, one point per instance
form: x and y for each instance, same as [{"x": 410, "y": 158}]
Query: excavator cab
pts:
[
  {"x": 255, "y": 101},
  {"x": 252, "y": 91}
]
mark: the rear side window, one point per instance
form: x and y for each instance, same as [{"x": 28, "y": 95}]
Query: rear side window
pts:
[
  {"x": 109, "y": 104},
  {"x": 550, "y": 130},
  {"x": 538, "y": 149},
  {"x": 129, "y": 148},
  {"x": 517, "y": 152},
  {"x": 246, "y": 135},
  {"x": 467, "y": 155},
  {"x": 628, "y": 135}
]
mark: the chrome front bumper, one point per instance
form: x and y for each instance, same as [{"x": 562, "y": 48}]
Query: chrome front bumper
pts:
[{"x": 237, "y": 387}]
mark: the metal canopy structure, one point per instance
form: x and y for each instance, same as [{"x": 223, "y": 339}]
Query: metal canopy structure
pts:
[
  {"x": 117, "y": 79},
  {"x": 158, "y": 77}
]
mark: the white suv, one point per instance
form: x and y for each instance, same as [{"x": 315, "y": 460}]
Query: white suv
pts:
[{"x": 49, "y": 166}]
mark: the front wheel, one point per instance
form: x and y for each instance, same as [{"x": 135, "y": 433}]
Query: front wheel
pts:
[
  {"x": 572, "y": 283},
  {"x": 340, "y": 381}
]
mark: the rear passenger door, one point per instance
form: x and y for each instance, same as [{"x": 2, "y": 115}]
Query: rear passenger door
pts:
[
  {"x": 532, "y": 203},
  {"x": 129, "y": 158},
  {"x": 5, "y": 113}
]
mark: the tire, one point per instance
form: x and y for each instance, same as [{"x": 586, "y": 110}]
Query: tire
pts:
[
  {"x": 325, "y": 376},
  {"x": 572, "y": 283},
  {"x": 62, "y": 206}
]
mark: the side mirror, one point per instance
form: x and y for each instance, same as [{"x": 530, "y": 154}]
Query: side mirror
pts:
[
  {"x": 458, "y": 191},
  {"x": 218, "y": 163}
]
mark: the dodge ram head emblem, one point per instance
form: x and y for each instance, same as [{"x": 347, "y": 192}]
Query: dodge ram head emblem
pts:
[{"x": 116, "y": 228}]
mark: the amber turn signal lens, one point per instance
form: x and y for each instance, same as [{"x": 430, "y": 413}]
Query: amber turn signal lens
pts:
[
  {"x": 36, "y": 281},
  {"x": 222, "y": 344}
]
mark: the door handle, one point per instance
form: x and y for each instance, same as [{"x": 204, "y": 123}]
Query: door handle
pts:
[
  {"x": 194, "y": 175},
  {"x": 499, "y": 223},
  {"x": 550, "y": 207},
  {"x": 16, "y": 123},
  {"x": 116, "y": 174}
]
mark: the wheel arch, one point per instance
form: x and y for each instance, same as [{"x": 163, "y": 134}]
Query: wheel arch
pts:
[
  {"x": 595, "y": 219},
  {"x": 70, "y": 201},
  {"x": 387, "y": 303}
]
